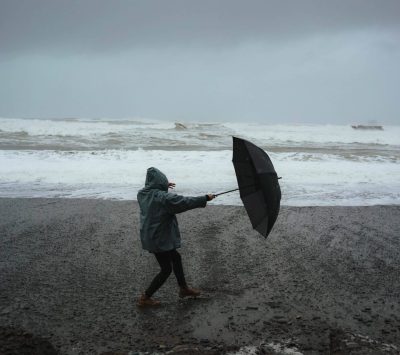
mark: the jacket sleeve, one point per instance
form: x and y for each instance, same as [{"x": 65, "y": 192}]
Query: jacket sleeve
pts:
[{"x": 178, "y": 204}]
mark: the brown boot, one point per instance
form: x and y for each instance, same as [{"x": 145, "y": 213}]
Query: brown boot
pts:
[
  {"x": 188, "y": 292},
  {"x": 145, "y": 301}
]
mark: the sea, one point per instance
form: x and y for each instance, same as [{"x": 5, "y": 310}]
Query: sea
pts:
[{"x": 319, "y": 165}]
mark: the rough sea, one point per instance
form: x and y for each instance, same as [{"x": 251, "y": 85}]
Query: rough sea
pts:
[{"x": 108, "y": 158}]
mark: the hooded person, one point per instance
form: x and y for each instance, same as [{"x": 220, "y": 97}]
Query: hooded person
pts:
[{"x": 159, "y": 231}]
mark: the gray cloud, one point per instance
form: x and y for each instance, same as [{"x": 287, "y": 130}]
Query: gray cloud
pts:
[
  {"x": 103, "y": 25},
  {"x": 270, "y": 61}
]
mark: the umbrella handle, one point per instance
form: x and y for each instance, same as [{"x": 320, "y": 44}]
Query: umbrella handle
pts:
[{"x": 225, "y": 192}]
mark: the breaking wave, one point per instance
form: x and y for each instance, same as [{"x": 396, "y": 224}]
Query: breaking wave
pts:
[{"x": 103, "y": 158}]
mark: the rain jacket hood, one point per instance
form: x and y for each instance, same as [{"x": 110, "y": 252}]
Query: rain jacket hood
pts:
[
  {"x": 155, "y": 179},
  {"x": 159, "y": 229}
]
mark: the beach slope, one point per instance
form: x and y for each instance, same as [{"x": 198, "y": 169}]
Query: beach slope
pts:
[{"x": 325, "y": 280}]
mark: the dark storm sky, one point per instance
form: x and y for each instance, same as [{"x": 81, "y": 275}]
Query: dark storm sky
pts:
[{"x": 268, "y": 61}]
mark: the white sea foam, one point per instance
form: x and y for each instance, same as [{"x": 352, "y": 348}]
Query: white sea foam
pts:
[
  {"x": 317, "y": 179},
  {"x": 79, "y": 127},
  {"x": 267, "y": 348},
  {"x": 105, "y": 158},
  {"x": 318, "y": 134},
  {"x": 135, "y": 133}
]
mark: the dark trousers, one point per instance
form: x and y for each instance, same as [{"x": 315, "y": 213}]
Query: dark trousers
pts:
[{"x": 168, "y": 261}]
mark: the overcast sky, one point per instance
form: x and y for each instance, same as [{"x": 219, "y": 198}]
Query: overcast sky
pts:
[{"x": 325, "y": 61}]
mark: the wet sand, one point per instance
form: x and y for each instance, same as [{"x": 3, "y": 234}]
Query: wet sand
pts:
[{"x": 325, "y": 281}]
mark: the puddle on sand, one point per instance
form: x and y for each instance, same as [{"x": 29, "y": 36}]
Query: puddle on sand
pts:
[{"x": 232, "y": 320}]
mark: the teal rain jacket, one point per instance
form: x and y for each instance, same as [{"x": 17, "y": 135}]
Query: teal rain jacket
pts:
[{"x": 159, "y": 229}]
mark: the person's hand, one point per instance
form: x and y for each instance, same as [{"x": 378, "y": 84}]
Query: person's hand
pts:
[
  {"x": 171, "y": 185},
  {"x": 210, "y": 197}
]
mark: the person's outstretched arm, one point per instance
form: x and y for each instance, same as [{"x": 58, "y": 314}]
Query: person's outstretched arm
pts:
[{"x": 178, "y": 204}]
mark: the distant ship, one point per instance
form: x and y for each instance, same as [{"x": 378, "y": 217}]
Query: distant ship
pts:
[{"x": 360, "y": 126}]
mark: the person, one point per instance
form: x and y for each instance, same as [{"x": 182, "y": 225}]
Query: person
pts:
[{"x": 159, "y": 231}]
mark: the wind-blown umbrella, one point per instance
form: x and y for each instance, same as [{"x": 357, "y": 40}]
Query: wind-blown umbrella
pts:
[{"x": 258, "y": 184}]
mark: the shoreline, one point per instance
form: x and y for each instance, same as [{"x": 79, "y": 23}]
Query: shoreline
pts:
[
  {"x": 71, "y": 269},
  {"x": 210, "y": 204}
]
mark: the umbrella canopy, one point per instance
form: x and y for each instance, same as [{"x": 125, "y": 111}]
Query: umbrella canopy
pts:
[{"x": 258, "y": 184}]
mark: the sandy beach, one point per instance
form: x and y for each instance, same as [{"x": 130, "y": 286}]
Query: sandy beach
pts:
[{"x": 325, "y": 281}]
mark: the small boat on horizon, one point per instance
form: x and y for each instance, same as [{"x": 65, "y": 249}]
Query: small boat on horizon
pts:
[{"x": 367, "y": 127}]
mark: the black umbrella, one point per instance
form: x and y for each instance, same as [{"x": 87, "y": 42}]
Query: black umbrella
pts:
[{"x": 258, "y": 184}]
